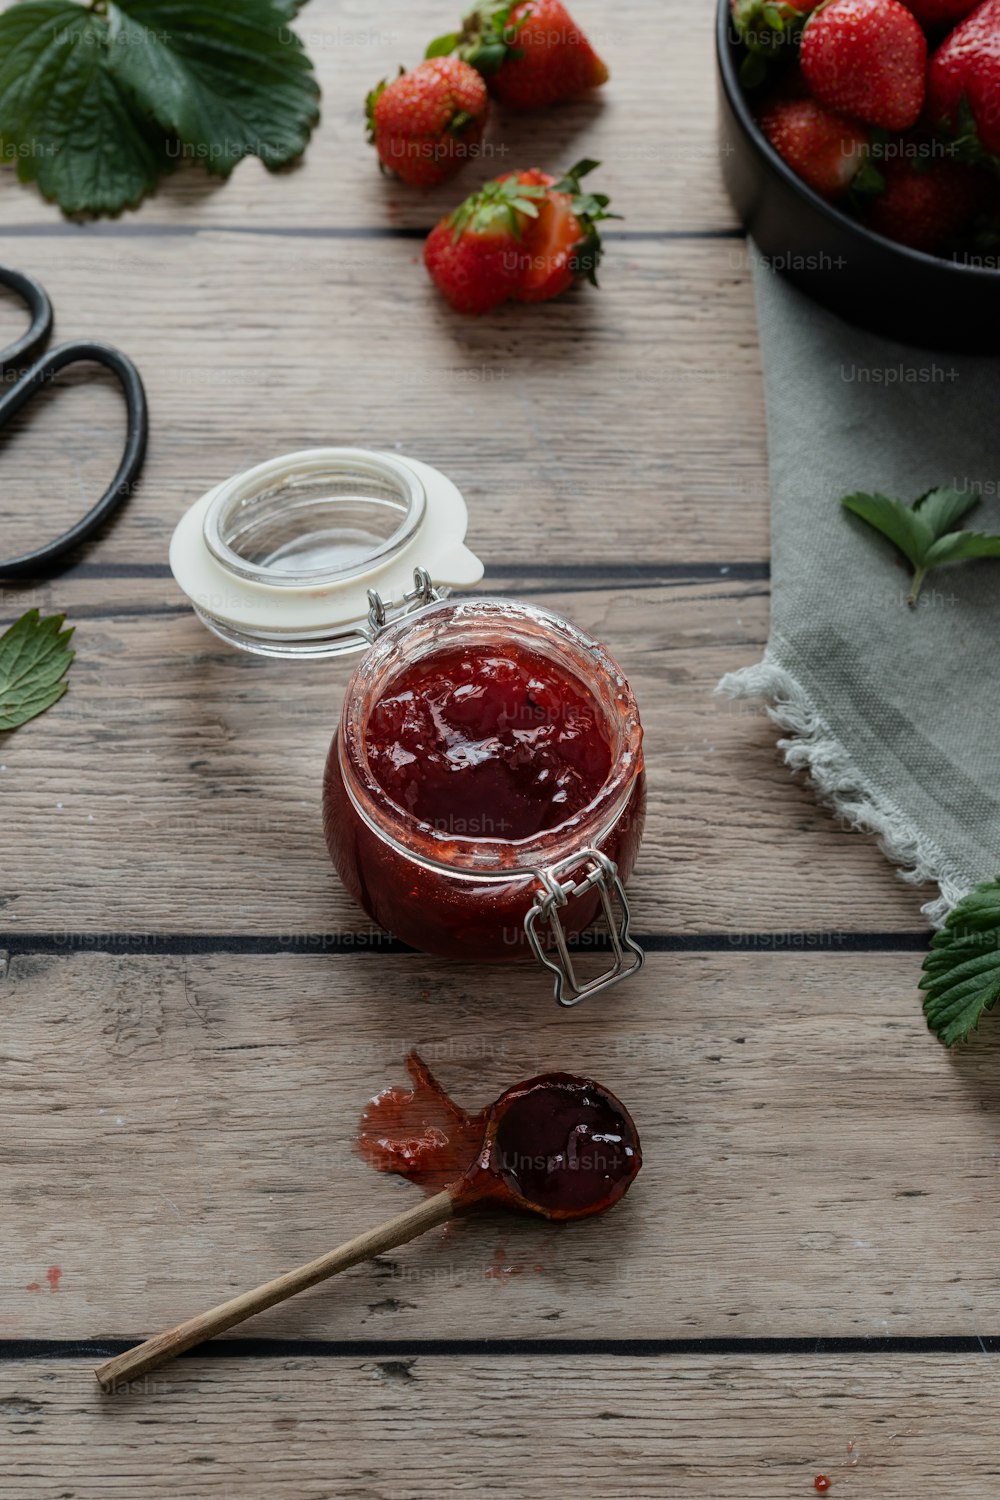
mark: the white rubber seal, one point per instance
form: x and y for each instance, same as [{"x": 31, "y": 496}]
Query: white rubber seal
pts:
[{"x": 291, "y": 609}]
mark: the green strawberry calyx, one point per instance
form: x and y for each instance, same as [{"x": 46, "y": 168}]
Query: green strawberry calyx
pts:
[
  {"x": 498, "y": 206},
  {"x": 767, "y": 29},
  {"x": 588, "y": 209},
  {"x": 487, "y": 38},
  {"x": 962, "y": 138},
  {"x": 371, "y": 100}
]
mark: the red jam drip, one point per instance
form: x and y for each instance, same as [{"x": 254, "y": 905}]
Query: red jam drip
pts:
[
  {"x": 488, "y": 743},
  {"x": 557, "y": 1145},
  {"x": 821, "y": 1483}
]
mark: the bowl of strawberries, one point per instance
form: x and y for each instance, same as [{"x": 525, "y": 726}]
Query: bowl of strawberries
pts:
[{"x": 860, "y": 144}]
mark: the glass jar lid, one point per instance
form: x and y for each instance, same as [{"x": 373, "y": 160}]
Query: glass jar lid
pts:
[{"x": 308, "y": 553}]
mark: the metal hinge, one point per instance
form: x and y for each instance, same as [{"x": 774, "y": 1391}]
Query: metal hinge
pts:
[
  {"x": 381, "y": 613},
  {"x": 558, "y": 886}
]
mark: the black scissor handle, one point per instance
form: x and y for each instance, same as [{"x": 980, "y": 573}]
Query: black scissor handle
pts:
[
  {"x": 43, "y": 559},
  {"x": 23, "y": 350}
]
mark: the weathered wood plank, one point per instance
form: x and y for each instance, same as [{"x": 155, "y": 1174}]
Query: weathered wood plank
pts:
[
  {"x": 178, "y": 1128},
  {"x": 612, "y": 425},
  {"x": 185, "y": 778},
  {"x": 653, "y": 129},
  {"x": 417, "y": 1429}
]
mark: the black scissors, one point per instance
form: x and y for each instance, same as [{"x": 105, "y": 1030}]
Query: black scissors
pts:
[{"x": 25, "y": 352}]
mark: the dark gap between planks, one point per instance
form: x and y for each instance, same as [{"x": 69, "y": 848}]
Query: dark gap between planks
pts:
[
  {"x": 19, "y": 1350},
  {"x": 271, "y": 944}
]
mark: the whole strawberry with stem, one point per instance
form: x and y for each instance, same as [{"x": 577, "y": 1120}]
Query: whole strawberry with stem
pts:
[
  {"x": 964, "y": 83},
  {"x": 830, "y": 153},
  {"x": 866, "y": 58},
  {"x": 426, "y": 124},
  {"x": 524, "y": 237},
  {"x": 531, "y": 52}
]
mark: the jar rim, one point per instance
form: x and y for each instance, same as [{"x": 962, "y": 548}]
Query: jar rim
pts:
[
  {"x": 300, "y": 471},
  {"x": 469, "y": 854}
]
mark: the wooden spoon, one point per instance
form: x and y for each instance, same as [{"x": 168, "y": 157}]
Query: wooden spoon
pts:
[{"x": 557, "y": 1145}]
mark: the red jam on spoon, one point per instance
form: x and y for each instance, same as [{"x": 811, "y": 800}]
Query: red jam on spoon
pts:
[{"x": 556, "y": 1145}]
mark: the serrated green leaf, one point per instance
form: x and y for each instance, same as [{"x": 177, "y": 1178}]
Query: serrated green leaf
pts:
[
  {"x": 96, "y": 108},
  {"x": 903, "y": 526},
  {"x": 227, "y": 78},
  {"x": 961, "y": 973},
  {"x": 34, "y": 658},
  {"x": 963, "y": 546},
  {"x": 65, "y": 120},
  {"x": 943, "y": 509}
]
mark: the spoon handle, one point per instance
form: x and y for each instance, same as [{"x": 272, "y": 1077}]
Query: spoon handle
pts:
[{"x": 115, "y": 1373}]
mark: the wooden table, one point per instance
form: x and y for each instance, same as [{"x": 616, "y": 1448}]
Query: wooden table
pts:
[{"x": 193, "y": 1012}]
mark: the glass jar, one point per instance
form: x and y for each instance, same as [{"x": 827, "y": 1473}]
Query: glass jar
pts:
[
  {"x": 312, "y": 554},
  {"x": 466, "y": 894}
]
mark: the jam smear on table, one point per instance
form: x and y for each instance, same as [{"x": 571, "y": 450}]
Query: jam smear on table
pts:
[
  {"x": 556, "y": 1145},
  {"x": 488, "y": 742},
  {"x": 420, "y": 1132}
]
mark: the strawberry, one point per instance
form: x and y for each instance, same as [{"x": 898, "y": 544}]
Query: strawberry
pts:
[
  {"x": 562, "y": 243},
  {"x": 523, "y": 237},
  {"x": 427, "y": 123},
  {"x": 866, "y": 58},
  {"x": 474, "y": 255},
  {"x": 927, "y": 204},
  {"x": 531, "y": 52},
  {"x": 932, "y": 13},
  {"x": 827, "y": 151},
  {"x": 964, "y": 82}
]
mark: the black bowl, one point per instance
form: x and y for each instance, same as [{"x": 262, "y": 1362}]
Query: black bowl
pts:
[{"x": 888, "y": 288}]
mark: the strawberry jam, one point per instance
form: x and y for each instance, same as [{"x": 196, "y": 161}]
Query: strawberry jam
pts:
[
  {"x": 556, "y": 1145},
  {"x": 481, "y": 743},
  {"x": 493, "y": 742}
]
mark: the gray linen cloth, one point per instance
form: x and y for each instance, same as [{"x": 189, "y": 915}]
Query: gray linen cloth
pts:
[{"x": 894, "y": 712}]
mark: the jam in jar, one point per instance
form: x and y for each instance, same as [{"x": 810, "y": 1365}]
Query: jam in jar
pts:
[{"x": 484, "y": 795}]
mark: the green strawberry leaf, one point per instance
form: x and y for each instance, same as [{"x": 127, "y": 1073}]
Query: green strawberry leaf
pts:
[
  {"x": 923, "y": 531},
  {"x": 226, "y": 79},
  {"x": 943, "y": 509},
  {"x": 34, "y": 658},
  {"x": 442, "y": 46},
  {"x": 98, "y": 102},
  {"x": 904, "y": 527},
  {"x": 962, "y": 546},
  {"x": 65, "y": 120},
  {"x": 961, "y": 973}
]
